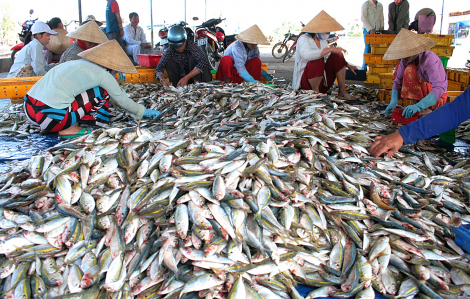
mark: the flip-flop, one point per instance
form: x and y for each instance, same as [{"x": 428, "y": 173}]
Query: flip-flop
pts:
[{"x": 80, "y": 133}]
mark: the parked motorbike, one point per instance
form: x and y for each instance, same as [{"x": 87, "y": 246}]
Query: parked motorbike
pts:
[
  {"x": 331, "y": 40},
  {"x": 280, "y": 49},
  {"x": 163, "y": 34},
  {"x": 25, "y": 35},
  {"x": 211, "y": 40}
]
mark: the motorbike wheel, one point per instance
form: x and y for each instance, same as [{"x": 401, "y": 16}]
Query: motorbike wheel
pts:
[
  {"x": 14, "y": 54},
  {"x": 210, "y": 55},
  {"x": 279, "y": 50},
  {"x": 288, "y": 55}
]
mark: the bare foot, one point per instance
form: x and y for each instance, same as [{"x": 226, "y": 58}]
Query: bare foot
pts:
[
  {"x": 346, "y": 96},
  {"x": 70, "y": 131}
]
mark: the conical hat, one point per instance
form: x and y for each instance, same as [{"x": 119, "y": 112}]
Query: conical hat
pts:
[
  {"x": 322, "y": 22},
  {"x": 110, "y": 55},
  {"x": 252, "y": 35},
  {"x": 89, "y": 32},
  {"x": 60, "y": 42},
  {"x": 407, "y": 44}
]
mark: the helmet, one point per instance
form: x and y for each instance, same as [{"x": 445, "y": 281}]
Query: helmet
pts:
[{"x": 176, "y": 36}]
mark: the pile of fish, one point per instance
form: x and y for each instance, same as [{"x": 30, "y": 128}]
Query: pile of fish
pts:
[{"x": 235, "y": 191}]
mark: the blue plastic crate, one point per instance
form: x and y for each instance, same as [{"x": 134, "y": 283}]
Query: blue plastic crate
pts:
[{"x": 462, "y": 237}]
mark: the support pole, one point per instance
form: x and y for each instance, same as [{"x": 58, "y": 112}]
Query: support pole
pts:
[
  {"x": 185, "y": 11},
  {"x": 205, "y": 12},
  {"x": 442, "y": 16},
  {"x": 80, "y": 12},
  {"x": 151, "y": 24}
]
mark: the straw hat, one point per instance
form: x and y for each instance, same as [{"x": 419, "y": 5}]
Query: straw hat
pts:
[
  {"x": 322, "y": 22},
  {"x": 89, "y": 32},
  {"x": 252, "y": 35},
  {"x": 407, "y": 44},
  {"x": 59, "y": 43},
  {"x": 110, "y": 55}
]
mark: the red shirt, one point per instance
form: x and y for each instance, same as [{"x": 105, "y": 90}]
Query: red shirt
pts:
[{"x": 114, "y": 7}]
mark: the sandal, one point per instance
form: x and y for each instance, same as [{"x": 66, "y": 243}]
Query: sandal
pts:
[{"x": 80, "y": 133}]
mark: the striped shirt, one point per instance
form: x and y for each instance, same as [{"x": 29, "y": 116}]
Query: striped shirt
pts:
[{"x": 183, "y": 60}]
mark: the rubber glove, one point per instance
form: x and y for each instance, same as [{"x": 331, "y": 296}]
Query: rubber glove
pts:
[
  {"x": 248, "y": 78},
  {"x": 393, "y": 103},
  {"x": 150, "y": 113},
  {"x": 122, "y": 77},
  {"x": 426, "y": 102},
  {"x": 266, "y": 75}
]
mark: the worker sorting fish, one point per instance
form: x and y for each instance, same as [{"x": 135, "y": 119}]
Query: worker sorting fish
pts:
[{"x": 234, "y": 191}]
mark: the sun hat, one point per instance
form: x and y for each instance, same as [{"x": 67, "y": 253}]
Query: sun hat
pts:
[
  {"x": 89, "y": 32},
  {"x": 40, "y": 27},
  {"x": 92, "y": 18},
  {"x": 321, "y": 23},
  {"x": 60, "y": 42},
  {"x": 110, "y": 55},
  {"x": 252, "y": 35},
  {"x": 407, "y": 44}
]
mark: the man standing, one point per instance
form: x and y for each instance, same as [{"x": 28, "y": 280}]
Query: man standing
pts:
[
  {"x": 135, "y": 38},
  {"x": 114, "y": 28},
  {"x": 398, "y": 15},
  {"x": 372, "y": 17}
]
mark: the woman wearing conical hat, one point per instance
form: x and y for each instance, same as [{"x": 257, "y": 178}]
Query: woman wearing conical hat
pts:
[
  {"x": 420, "y": 76},
  {"x": 79, "y": 91},
  {"x": 316, "y": 65},
  {"x": 87, "y": 36},
  {"x": 242, "y": 59}
]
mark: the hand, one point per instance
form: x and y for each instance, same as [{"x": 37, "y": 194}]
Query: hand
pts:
[
  {"x": 145, "y": 45},
  {"x": 410, "y": 111},
  {"x": 150, "y": 113},
  {"x": 164, "y": 82},
  {"x": 121, "y": 31},
  {"x": 393, "y": 103},
  {"x": 182, "y": 82},
  {"x": 122, "y": 77},
  {"x": 338, "y": 50},
  {"x": 266, "y": 75},
  {"x": 389, "y": 144},
  {"x": 372, "y": 31},
  {"x": 352, "y": 68}
]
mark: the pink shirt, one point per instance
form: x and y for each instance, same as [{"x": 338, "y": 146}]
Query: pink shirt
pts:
[{"x": 430, "y": 69}]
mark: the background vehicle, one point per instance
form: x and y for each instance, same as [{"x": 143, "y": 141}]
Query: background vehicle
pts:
[
  {"x": 163, "y": 34},
  {"x": 211, "y": 40},
  {"x": 25, "y": 35},
  {"x": 280, "y": 49}
]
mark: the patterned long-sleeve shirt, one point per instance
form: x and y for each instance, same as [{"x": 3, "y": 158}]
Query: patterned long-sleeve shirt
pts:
[
  {"x": 71, "y": 53},
  {"x": 183, "y": 60}
]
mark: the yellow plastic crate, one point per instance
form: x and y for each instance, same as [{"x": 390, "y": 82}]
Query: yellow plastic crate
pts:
[
  {"x": 385, "y": 95},
  {"x": 463, "y": 76},
  {"x": 443, "y": 51},
  {"x": 380, "y": 68},
  {"x": 372, "y": 39},
  {"x": 454, "y": 85},
  {"x": 441, "y": 40},
  {"x": 144, "y": 74},
  {"x": 404, "y": 103},
  {"x": 378, "y": 50},
  {"x": 386, "y": 80},
  {"x": 372, "y": 78},
  {"x": 452, "y": 75},
  {"x": 16, "y": 87},
  {"x": 452, "y": 95},
  {"x": 377, "y": 59}
]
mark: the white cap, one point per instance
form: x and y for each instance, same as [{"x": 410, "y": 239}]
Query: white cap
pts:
[{"x": 39, "y": 27}]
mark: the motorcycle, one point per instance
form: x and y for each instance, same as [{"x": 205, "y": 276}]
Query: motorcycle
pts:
[
  {"x": 211, "y": 40},
  {"x": 331, "y": 41},
  {"x": 280, "y": 49},
  {"x": 25, "y": 35},
  {"x": 163, "y": 34}
]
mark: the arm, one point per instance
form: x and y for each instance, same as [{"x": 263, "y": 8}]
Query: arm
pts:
[
  {"x": 381, "y": 17},
  {"x": 437, "y": 77},
  {"x": 364, "y": 20},
  {"x": 120, "y": 98},
  {"x": 162, "y": 64},
  {"x": 397, "y": 82},
  {"x": 403, "y": 15},
  {"x": 128, "y": 33},
  {"x": 38, "y": 62},
  {"x": 391, "y": 17},
  {"x": 239, "y": 58},
  {"x": 443, "y": 119}
]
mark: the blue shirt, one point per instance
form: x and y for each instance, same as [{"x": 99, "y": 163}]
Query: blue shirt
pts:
[
  {"x": 111, "y": 19},
  {"x": 441, "y": 120},
  {"x": 240, "y": 55}
]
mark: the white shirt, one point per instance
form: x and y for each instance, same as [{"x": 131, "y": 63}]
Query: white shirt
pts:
[
  {"x": 307, "y": 50},
  {"x": 372, "y": 16},
  {"x": 240, "y": 56},
  {"x": 134, "y": 36},
  {"x": 59, "y": 87},
  {"x": 31, "y": 54}
]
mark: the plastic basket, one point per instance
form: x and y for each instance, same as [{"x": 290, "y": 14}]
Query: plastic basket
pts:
[
  {"x": 380, "y": 68},
  {"x": 441, "y": 40},
  {"x": 444, "y": 60},
  {"x": 377, "y": 59},
  {"x": 372, "y": 39},
  {"x": 372, "y": 79},
  {"x": 378, "y": 50},
  {"x": 443, "y": 51},
  {"x": 398, "y": 118},
  {"x": 385, "y": 95},
  {"x": 149, "y": 60},
  {"x": 386, "y": 80},
  {"x": 454, "y": 85},
  {"x": 463, "y": 76},
  {"x": 144, "y": 74}
]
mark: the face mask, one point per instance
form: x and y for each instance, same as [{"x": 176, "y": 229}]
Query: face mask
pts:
[{"x": 323, "y": 36}]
